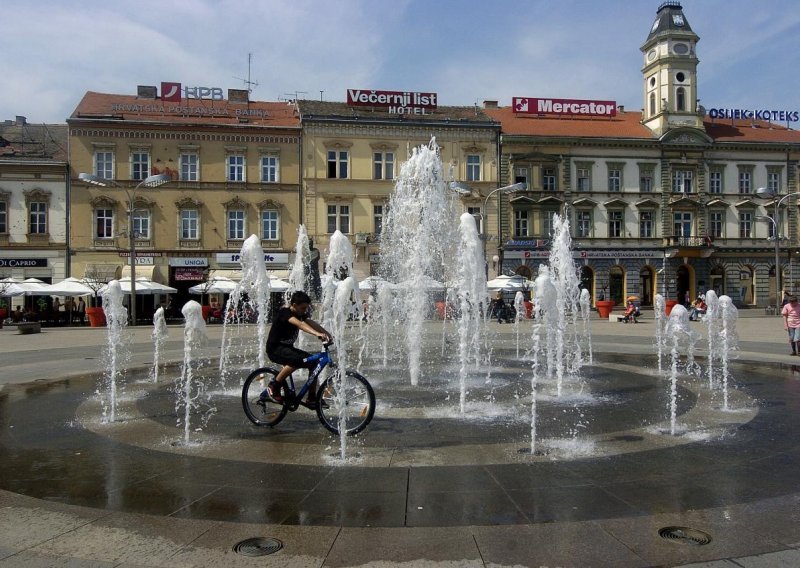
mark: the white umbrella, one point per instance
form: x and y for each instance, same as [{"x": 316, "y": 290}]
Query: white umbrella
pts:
[
  {"x": 278, "y": 285},
  {"x": 68, "y": 287},
  {"x": 144, "y": 287},
  {"x": 215, "y": 285},
  {"x": 372, "y": 283},
  {"x": 509, "y": 283},
  {"x": 33, "y": 287},
  {"x": 9, "y": 287}
]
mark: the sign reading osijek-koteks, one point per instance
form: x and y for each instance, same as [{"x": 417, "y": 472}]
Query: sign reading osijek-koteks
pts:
[
  {"x": 397, "y": 102},
  {"x": 563, "y": 107}
]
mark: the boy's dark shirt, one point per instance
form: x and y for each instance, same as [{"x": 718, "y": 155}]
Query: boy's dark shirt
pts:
[{"x": 282, "y": 332}]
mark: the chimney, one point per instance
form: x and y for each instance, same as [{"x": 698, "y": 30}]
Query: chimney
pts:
[
  {"x": 146, "y": 92},
  {"x": 489, "y": 104},
  {"x": 238, "y": 95},
  {"x": 20, "y": 120}
]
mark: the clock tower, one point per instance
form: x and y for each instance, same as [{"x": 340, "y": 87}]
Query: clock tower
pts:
[{"x": 670, "y": 72}]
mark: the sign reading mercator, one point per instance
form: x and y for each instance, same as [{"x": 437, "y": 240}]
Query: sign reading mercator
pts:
[
  {"x": 563, "y": 107},
  {"x": 397, "y": 102}
]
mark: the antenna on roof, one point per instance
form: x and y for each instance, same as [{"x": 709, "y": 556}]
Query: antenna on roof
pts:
[
  {"x": 296, "y": 96},
  {"x": 248, "y": 83}
]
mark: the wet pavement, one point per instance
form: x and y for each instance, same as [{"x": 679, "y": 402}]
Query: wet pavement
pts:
[{"x": 423, "y": 485}]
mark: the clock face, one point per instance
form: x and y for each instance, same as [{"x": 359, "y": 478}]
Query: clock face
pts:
[
  {"x": 677, "y": 19},
  {"x": 680, "y": 48},
  {"x": 651, "y": 54},
  {"x": 655, "y": 25}
]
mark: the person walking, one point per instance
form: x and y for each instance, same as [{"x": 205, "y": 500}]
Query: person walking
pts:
[{"x": 791, "y": 323}]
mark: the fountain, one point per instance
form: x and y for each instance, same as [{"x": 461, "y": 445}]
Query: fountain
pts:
[
  {"x": 660, "y": 316},
  {"x": 192, "y": 395},
  {"x": 519, "y": 311},
  {"x": 728, "y": 340},
  {"x": 117, "y": 352},
  {"x": 159, "y": 335},
  {"x": 681, "y": 340}
]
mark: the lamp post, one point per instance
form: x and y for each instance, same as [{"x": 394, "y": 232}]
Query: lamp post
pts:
[
  {"x": 769, "y": 193},
  {"x": 150, "y": 181}
]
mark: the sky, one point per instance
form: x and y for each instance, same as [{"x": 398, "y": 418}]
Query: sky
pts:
[{"x": 466, "y": 51}]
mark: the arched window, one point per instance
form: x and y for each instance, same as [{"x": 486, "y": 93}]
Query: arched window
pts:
[
  {"x": 652, "y": 104},
  {"x": 680, "y": 101}
]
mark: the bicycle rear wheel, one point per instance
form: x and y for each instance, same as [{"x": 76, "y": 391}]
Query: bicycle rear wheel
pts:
[
  {"x": 263, "y": 412},
  {"x": 350, "y": 400}
]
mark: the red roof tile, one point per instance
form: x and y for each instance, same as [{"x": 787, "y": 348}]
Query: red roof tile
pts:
[
  {"x": 627, "y": 125},
  {"x": 102, "y": 106}
]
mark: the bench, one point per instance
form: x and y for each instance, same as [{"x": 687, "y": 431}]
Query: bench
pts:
[{"x": 28, "y": 327}]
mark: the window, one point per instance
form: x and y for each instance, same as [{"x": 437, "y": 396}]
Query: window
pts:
[
  {"x": 270, "y": 169},
  {"x": 715, "y": 181},
  {"x": 141, "y": 224},
  {"x": 522, "y": 175},
  {"x": 190, "y": 224},
  {"x": 235, "y": 225},
  {"x": 140, "y": 165},
  {"x": 476, "y": 212},
  {"x": 682, "y": 181},
  {"x": 746, "y": 225},
  {"x": 646, "y": 225},
  {"x": 646, "y": 181},
  {"x": 38, "y": 217},
  {"x": 615, "y": 219},
  {"x": 682, "y": 224},
  {"x": 549, "y": 179},
  {"x": 269, "y": 225},
  {"x": 584, "y": 223},
  {"x": 3, "y": 217},
  {"x": 614, "y": 177},
  {"x": 652, "y": 104},
  {"x": 189, "y": 167},
  {"x": 521, "y": 223},
  {"x": 339, "y": 218},
  {"x": 774, "y": 182},
  {"x": 104, "y": 164},
  {"x": 338, "y": 161},
  {"x": 235, "y": 168},
  {"x": 715, "y": 224},
  {"x": 583, "y": 176},
  {"x": 104, "y": 223},
  {"x": 377, "y": 219},
  {"x": 473, "y": 167},
  {"x": 680, "y": 99},
  {"x": 745, "y": 181},
  {"x": 383, "y": 165},
  {"x": 547, "y": 223}
]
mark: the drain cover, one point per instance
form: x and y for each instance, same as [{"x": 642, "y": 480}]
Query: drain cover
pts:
[
  {"x": 685, "y": 535},
  {"x": 258, "y": 546}
]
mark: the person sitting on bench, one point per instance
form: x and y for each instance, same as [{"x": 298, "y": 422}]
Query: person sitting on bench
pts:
[{"x": 631, "y": 313}]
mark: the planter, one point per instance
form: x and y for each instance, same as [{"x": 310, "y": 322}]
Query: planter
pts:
[
  {"x": 97, "y": 317},
  {"x": 668, "y": 305},
  {"x": 206, "y": 313},
  {"x": 3, "y": 314},
  {"x": 604, "y": 307}
]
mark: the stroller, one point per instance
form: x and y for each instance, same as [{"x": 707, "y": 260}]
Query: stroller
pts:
[{"x": 631, "y": 314}]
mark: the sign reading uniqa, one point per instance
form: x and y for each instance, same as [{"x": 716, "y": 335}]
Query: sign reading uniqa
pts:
[
  {"x": 172, "y": 92},
  {"x": 747, "y": 114},
  {"x": 568, "y": 107},
  {"x": 397, "y": 102}
]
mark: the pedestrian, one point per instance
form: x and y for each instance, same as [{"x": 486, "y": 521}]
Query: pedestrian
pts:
[
  {"x": 81, "y": 309},
  {"x": 791, "y": 323}
]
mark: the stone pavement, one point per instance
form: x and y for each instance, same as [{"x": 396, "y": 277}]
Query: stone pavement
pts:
[{"x": 43, "y": 532}]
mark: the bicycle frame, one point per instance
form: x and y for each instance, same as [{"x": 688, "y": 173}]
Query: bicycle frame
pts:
[{"x": 323, "y": 359}]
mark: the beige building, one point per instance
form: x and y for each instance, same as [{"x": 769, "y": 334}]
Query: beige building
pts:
[
  {"x": 663, "y": 200},
  {"x": 352, "y": 154},
  {"x": 234, "y": 167},
  {"x": 33, "y": 201}
]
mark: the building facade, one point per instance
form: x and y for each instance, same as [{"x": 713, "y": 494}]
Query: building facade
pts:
[
  {"x": 233, "y": 165},
  {"x": 34, "y": 186},
  {"x": 664, "y": 200},
  {"x": 352, "y": 154}
]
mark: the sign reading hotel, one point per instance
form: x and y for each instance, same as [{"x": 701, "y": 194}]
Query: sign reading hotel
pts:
[
  {"x": 563, "y": 107},
  {"x": 396, "y": 102}
]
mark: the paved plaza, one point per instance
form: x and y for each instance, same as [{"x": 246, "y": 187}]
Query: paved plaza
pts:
[{"x": 421, "y": 487}]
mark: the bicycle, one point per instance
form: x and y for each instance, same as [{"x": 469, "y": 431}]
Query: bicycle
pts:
[{"x": 349, "y": 398}]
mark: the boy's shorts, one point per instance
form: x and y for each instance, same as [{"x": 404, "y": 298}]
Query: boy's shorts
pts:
[{"x": 288, "y": 355}]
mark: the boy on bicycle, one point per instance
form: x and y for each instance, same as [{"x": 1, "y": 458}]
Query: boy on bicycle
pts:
[{"x": 280, "y": 343}]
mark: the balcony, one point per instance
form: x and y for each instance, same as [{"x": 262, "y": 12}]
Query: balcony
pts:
[{"x": 689, "y": 242}]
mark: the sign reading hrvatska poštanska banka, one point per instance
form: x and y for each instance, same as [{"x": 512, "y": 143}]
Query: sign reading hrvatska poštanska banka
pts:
[{"x": 563, "y": 107}]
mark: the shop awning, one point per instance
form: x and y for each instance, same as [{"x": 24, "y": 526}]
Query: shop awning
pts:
[{"x": 142, "y": 271}]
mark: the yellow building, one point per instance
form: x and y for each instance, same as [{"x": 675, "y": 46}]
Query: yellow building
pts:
[
  {"x": 234, "y": 167},
  {"x": 353, "y": 151}
]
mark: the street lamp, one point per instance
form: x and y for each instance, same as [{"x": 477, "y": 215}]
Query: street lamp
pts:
[
  {"x": 769, "y": 193},
  {"x": 149, "y": 181}
]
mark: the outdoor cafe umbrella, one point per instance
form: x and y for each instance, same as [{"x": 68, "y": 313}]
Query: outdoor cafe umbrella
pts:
[
  {"x": 509, "y": 283},
  {"x": 144, "y": 287},
  {"x": 215, "y": 285},
  {"x": 11, "y": 287},
  {"x": 68, "y": 287}
]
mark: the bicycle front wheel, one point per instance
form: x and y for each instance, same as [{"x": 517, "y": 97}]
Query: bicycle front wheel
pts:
[
  {"x": 262, "y": 412},
  {"x": 348, "y": 400}
]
